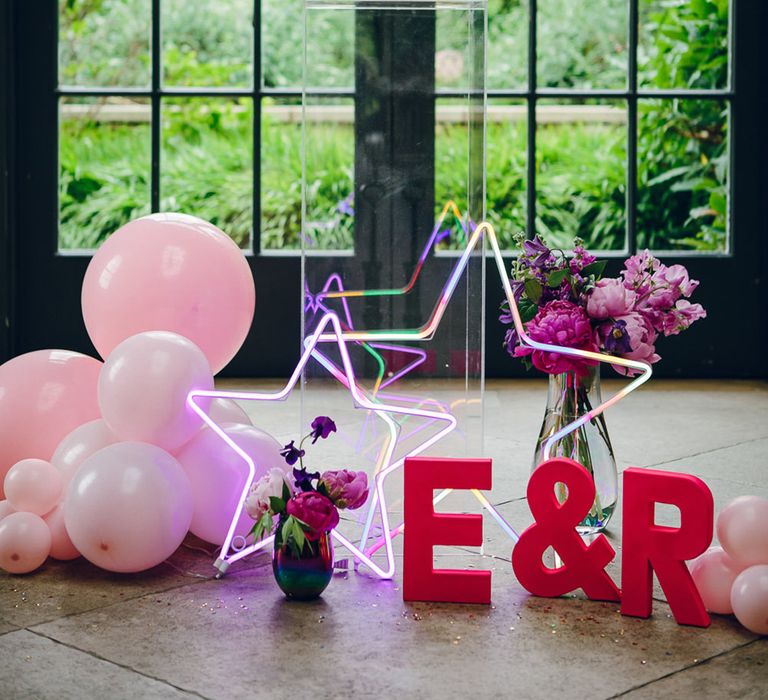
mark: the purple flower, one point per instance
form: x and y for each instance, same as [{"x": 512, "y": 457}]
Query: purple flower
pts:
[
  {"x": 303, "y": 479},
  {"x": 291, "y": 454},
  {"x": 347, "y": 489},
  {"x": 322, "y": 427},
  {"x": 615, "y": 338},
  {"x": 538, "y": 254},
  {"x": 315, "y": 511},
  {"x": 560, "y": 323},
  {"x": 511, "y": 340},
  {"x": 610, "y": 298},
  {"x": 642, "y": 339},
  {"x": 581, "y": 258},
  {"x": 345, "y": 205}
]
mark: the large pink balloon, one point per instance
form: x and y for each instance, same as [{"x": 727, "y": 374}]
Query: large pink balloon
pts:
[
  {"x": 24, "y": 542},
  {"x": 714, "y": 573},
  {"x": 61, "y": 544},
  {"x": 144, "y": 385},
  {"x": 217, "y": 475},
  {"x": 80, "y": 444},
  {"x": 6, "y": 509},
  {"x": 34, "y": 486},
  {"x": 128, "y": 507},
  {"x": 227, "y": 411},
  {"x": 749, "y": 598},
  {"x": 43, "y": 396},
  {"x": 170, "y": 272},
  {"x": 742, "y": 528}
]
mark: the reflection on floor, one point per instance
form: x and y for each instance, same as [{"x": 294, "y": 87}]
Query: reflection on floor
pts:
[{"x": 73, "y": 631}]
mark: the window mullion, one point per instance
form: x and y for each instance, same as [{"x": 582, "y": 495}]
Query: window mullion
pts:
[
  {"x": 155, "y": 102},
  {"x": 531, "y": 140},
  {"x": 631, "y": 213}
]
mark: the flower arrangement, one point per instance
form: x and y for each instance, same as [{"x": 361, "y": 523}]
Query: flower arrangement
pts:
[
  {"x": 564, "y": 300},
  {"x": 307, "y": 507}
]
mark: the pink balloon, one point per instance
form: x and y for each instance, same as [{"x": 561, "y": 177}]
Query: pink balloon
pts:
[
  {"x": 34, "y": 486},
  {"x": 6, "y": 509},
  {"x": 24, "y": 542},
  {"x": 144, "y": 385},
  {"x": 228, "y": 411},
  {"x": 749, "y": 598},
  {"x": 80, "y": 444},
  {"x": 217, "y": 475},
  {"x": 61, "y": 545},
  {"x": 43, "y": 396},
  {"x": 742, "y": 528},
  {"x": 170, "y": 272},
  {"x": 714, "y": 573},
  {"x": 128, "y": 507}
]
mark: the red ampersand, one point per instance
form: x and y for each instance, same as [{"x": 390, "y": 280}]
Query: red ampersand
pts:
[{"x": 583, "y": 565}]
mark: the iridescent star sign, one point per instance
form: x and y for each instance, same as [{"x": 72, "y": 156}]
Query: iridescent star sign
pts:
[{"x": 346, "y": 375}]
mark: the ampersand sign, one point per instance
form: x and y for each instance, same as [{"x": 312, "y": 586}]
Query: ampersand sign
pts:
[{"x": 583, "y": 565}]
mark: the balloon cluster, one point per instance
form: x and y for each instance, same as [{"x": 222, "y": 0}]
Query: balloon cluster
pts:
[
  {"x": 733, "y": 578},
  {"x": 106, "y": 459}
]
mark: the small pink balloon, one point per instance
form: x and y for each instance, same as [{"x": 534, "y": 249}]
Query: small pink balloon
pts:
[
  {"x": 742, "y": 528},
  {"x": 713, "y": 573},
  {"x": 61, "y": 545},
  {"x": 43, "y": 396},
  {"x": 34, "y": 486},
  {"x": 749, "y": 598},
  {"x": 144, "y": 385},
  {"x": 128, "y": 507},
  {"x": 6, "y": 509},
  {"x": 227, "y": 411},
  {"x": 170, "y": 272},
  {"x": 25, "y": 542},
  {"x": 217, "y": 475},
  {"x": 80, "y": 444}
]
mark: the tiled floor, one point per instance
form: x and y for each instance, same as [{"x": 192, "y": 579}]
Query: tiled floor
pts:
[{"x": 74, "y": 631}]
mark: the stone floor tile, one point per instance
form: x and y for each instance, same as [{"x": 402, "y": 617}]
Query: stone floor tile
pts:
[{"x": 36, "y": 667}]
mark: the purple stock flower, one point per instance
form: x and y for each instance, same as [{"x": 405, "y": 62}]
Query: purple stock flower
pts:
[
  {"x": 291, "y": 454},
  {"x": 322, "y": 427}
]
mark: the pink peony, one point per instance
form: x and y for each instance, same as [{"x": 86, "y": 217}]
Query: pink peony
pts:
[
  {"x": 610, "y": 298},
  {"x": 347, "y": 489},
  {"x": 641, "y": 340},
  {"x": 315, "y": 511},
  {"x": 271, "y": 484},
  {"x": 560, "y": 323}
]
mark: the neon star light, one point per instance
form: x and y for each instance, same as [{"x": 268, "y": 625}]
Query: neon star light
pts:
[{"x": 346, "y": 376}]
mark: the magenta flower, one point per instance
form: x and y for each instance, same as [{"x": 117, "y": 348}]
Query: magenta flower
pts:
[
  {"x": 610, "y": 298},
  {"x": 347, "y": 489},
  {"x": 315, "y": 511},
  {"x": 560, "y": 323},
  {"x": 681, "y": 317}
]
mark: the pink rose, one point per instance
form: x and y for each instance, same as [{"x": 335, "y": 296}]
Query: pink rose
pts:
[
  {"x": 609, "y": 299},
  {"x": 347, "y": 489},
  {"x": 641, "y": 341},
  {"x": 315, "y": 511}
]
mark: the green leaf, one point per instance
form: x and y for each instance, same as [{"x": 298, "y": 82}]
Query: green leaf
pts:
[
  {"x": 527, "y": 310},
  {"x": 322, "y": 489},
  {"x": 596, "y": 268},
  {"x": 556, "y": 277},
  {"x": 286, "y": 492},
  {"x": 277, "y": 505},
  {"x": 299, "y": 536},
  {"x": 533, "y": 289}
]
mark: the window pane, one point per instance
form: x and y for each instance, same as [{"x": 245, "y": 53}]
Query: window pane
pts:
[
  {"x": 330, "y": 164},
  {"x": 682, "y": 197},
  {"x": 207, "y": 44},
  {"x": 683, "y": 44},
  {"x": 581, "y": 154},
  {"x": 104, "y": 168},
  {"x": 506, "y": 165},
  {"x": 206, "y": 162},
  {"x": 104, "y": 44},
  {"x": 507, "y": 44},
  {"x": 582, "y": 43},
  {"x": 330, "y": 49}
]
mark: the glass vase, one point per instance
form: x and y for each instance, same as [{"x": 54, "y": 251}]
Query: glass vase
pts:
[
  {"x": 304, "y": 576},
  {"x": 569, "y": 397}
]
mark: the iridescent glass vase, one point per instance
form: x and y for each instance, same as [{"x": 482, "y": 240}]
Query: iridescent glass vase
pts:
[
  {"x": 304, "y": 576},
  {"x": 570, "y": 396}
]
